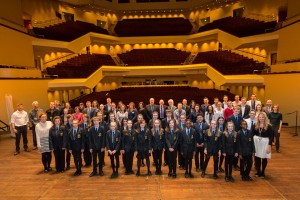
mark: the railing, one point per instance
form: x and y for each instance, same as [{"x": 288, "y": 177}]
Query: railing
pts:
[
  {"x": 55, "y": 61},
  {"x": 289, "y": 21},
  {"x": 3, "y": 66},
  {"x": 49, "y": 22},
  {"x": 288, "y": 61},
  {"x": 261, "y": 17},
  {"x": 4, "y": 126},
  {"x": 13, "y": 25}
]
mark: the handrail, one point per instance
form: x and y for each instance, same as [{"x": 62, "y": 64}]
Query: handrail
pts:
[
  {"x": 59, "y": 58},
  {"x": 49, "y": 22},
  {"x": 288, "y": 61},
  {"x": 16, "y": 67},
  {"x": 250, "y": 53},
  {"x": 6, "y": 126},
  {"x": 262, "y": 17},
  {"x": 288, "y": 21}
]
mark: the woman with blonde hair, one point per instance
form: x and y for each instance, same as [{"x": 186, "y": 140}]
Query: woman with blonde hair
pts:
[
  {"x": 42, "y": 138},
  {"x": 263, "y": 135}
]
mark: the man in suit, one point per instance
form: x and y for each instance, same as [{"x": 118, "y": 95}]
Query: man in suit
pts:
[
  {"x": 52, "y": 112},
  {"x": 171, "y": 106},
  {"x": 154, "y": 117},
  {"x": 150, "y": 108},
  {"x": 204, "y": 105},
  {"x": 181, "y": 126},
  {"x": 165, "y": 121},
  {"x": 188, "y": 147},
  {"x": 245, "y": 109},
  {"x": 97, "y": 145},
  {"x": 89, "y": 110},
  {"x": 268, "y": 108},
  {"x": 70, "y": 109},
  {"x": 113, "y": 142},
  {"x": 186, "y": 108},
  {"x": 162, "y": 109},
  {"x": 76, "y": 145},
  {"x": 200, "y": 127},
  {"x": 253, "y": 102},
  {"x": 107, "y": 107},
  {"x": 178, "y": 112}
]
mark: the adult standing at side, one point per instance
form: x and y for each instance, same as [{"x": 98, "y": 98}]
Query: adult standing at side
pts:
[
  {"x": 34, "y": 120},
  {"x": 20, "y": 125}
]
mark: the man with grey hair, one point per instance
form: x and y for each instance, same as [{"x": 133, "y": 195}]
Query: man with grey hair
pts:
[{"x": 34, "y": 120}]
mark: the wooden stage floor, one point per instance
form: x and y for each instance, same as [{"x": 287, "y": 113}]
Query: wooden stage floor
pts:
[{"x": 22, "y": 177}]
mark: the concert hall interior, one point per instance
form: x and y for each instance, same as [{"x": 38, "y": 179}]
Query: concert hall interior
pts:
[{"x": 133, "y": 50}]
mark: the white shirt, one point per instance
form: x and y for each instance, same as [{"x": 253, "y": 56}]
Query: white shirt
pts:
[
  {"x": 19, "y": 118},
  {"x": 249, "y": 121}
]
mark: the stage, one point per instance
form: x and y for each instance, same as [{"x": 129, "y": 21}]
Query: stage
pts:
[{"x": 22, "y": 177}]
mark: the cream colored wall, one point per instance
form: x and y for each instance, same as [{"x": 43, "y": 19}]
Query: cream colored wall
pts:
[
  {"x": 293, "y": 8},
  {"x": 283, "y": 90},
  {"x": 20, "y": 73},
  {"x": 23, "y": 91},
  {"x": 12, "y": 11},
  {"x": 201, "y": 81},
  {"x": 108, "y": 83},
  {"x": 16, "y": 48}
]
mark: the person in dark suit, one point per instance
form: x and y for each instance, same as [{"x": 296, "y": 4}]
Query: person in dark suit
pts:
[
  {"x": 70, "y": 109},
  {"x": 150, "y": 108},
  {"x": 200, "y": 127},
  {"x": 221, "y": 128},
  {"x": 154, "y": 117},
  {"x": 58, "y": 143},
  {"x": 132, "y": 112},
  {"x": 229, "y": 149},
  {"x": 52, "y": 112},
  {"x": 188, "y": 147},
  {"x": 86, "y": 125},
  {"x": 245, "y": 108},
  {"x": 128, "y": 147},
  {"x": 246, "y": 149},
  {"x": 143, "y": 146},
  {"x": 194, "y": 113},
  {"x": 171, "y": 106},
  {"x": 68, "y": 128},
  {"x": 204, "y": 105},
  {"x": 162, "y": 109},
  {"x": 164, "y": 124},
  {"x": 158, "y": 145},
  {"x": 97, "y": 140},
  {"x": 89, "y": 110},
  {"x": 108, "y": 106},
  {"x": 181, "y": 126},
  {"x": 76, "y": 145},
  {"x": 113, "y": 142},
  {"x": 142, "y": 110},
  {"x": 236, "y": 119},
  {"x": 212, "y": 147},
  {"x": 172, "y": 136},
  {"x": 186, "y": 107}
]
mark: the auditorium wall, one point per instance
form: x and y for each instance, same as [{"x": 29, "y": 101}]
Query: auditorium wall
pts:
[
  {"x": 12, "y": 11},
  {"x": 16, "y": 48},
  {"x": 23, "y": 91}
]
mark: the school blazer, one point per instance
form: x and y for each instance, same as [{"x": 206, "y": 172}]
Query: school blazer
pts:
[
  {"x": 142, "y": 140},
  {"x": 229, "y": 144},
  {"x": 172, "y": 141},
  {"x": 57, "y": 139},
  {"x": 76, "y": 142},
  {"x": 158, "y": 140},
  {"x": 97, "y": 138},
  {"x": 246, "y": 143}
]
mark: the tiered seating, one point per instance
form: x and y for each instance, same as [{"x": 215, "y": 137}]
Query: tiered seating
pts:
[
  {"x": 177, "y": 93},
  {"x": 80, "y": 66},
  {"x": 239, "y": 26},
  {"x": 229, "y": 63},
  {"x": 143, "y": 57},
  {"x": 12, "y": 67},
  {"x": 68, "y": 31},
  {"x": 153, "y": 27}
]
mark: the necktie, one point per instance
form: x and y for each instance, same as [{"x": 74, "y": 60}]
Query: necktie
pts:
[
  {"x": 156, "y": 131},
  {"x": 57, "y": 128},
  {"x": 253, "y": 105},
  {"x": 96, "y": 129},
  {"x": 200, "y": 125},
  {"x": 221, "y": 128},
  {"x": 213, "y": 133},
  {"x": 113, "y": 137},
  {"x": 152, "y": 108},
  {"x": 252, "y": 123},
  {"x": 245, "y": 132},
  {"x": 172, "y": 132},
  {"x": 188, "y": 132},
  {"x": 84, "y": 125},
  {"x": 74, "y": 133},
  {"x": 161, "y": 112},
  {"x": 236, "y": 118}
]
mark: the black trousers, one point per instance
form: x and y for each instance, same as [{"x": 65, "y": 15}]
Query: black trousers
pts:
[
  {"x": 100, "y": 155},
  {"x": 277, "y": 136},
  {"x": 87, "y": 156},
  {"x": 221, "y": 159},
  {"x": 199, "y": 156},
  {"x": 216, "y": 159},
  {"x": 229, "y": 159},
  {"x": 157, "y": 156},
  {"x": 114, "y": 166},
  {"x": 21, "y": 130},
  {"x": 77, "y": 159},
  {"x": 68, "y": 158},
  {"x": 59, "y": 155},
  {"x": 128, "y": 160},
  {"x": 172, "y": 156},
  {"x": 188, "y": 159},
  {"x": 46, "y": 159},
  {"x": 181, "y": 161},
  {"x": 141, "y": 155},
  {"x": 33, "y": 135},
  {"x": 166, "y": 159},
  {"x": 260, "y": 165},
  {"x": 246, "y": 165}
]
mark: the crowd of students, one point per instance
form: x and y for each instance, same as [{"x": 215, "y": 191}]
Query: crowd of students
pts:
[{"x": 234, "y": 131}]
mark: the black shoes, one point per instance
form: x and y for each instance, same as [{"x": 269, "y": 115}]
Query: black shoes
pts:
[
  {"x": 215, "y": 176},
  {"x": 221, "y": 170},
  {"x": 68, "y": 167},
  {"x": 203, "y": 174},
  {"x": 236, "y": 168},
  {"x": 93, "y": 174},
  {"x": 197, "y": 169},
  {"x": 114, "y": 175},
  {"x": 27, "y": 150},
  {"x": 191, "y": 175},
  {"x": 34, "y": 148},
  {"x": 149, "y": 173},
  {"x": 16, "y": 153},
  {"x": 186, "y": 175},
  {"x": 227, "y": 179},
  {"x": 101, "y": 173},
  {"x": 173, "y": 175},
  {"x": 138, "y": 173}
]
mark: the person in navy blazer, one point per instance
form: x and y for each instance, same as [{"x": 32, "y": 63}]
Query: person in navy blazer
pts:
[
  {"x": 200, "y": 127},
  {"x": 161, "y": 109},
  {"x": 188, "y": 147},
  {"x": 76, "y": 145},
  {"x": 245, "y": 108},
  {"x": 172, "y": 135},
  {"x": 158, "y": 145},
  {"x": 128, "y": 147},
  {"x": 97, "y": 145},
  {"x": 113, "y": 144},
  {"x": 150, "y": 108}
]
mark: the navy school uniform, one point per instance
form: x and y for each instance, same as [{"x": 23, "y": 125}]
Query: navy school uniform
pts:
[
  {"x": 128, "y": 147},
  {"x": 58, "y": 143},
  {"x": 87, "y": 156},
  {"x": 96, "y": 143},
  {"x": 181, "y": 160},
  {"x": 68, "y": 127},
  {"x": 76, "y": 143},
  {"x": 113, "y": 142},
  {"x": 200, "y": 129},
  {"x": 158, "y": 144},
  {"x": 246, "y": 150},
  {"x": 172, "y": 138},
  {"x": 188, "y": 147}
]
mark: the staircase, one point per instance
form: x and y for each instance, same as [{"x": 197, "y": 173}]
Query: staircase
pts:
[
  {"x": 118, "y": 60},
  {"x": 4, "y": 128},
  {"x": 190, "y": 59}
]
